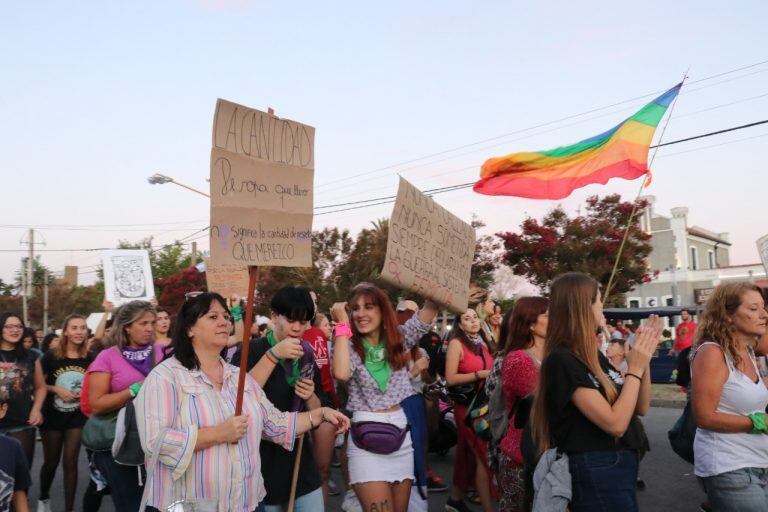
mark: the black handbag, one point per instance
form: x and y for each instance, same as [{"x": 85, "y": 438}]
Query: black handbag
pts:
[{"x": 683, "y": 433}]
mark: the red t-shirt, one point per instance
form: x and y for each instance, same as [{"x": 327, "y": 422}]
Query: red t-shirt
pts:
[
  {"x": 684, "y": 335},
  {"x": 315, "y": 337}
]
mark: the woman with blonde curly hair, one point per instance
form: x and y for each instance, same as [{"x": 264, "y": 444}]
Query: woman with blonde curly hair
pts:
[{"x": 729, "y": 399}]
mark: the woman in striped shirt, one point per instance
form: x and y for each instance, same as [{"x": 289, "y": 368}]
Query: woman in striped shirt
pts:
[{"x": 207, "y": 453}]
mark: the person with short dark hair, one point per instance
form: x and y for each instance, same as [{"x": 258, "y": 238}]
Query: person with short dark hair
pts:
[
  {"x": 207, "y": 453},
  {"x": 285, "y": 367}
]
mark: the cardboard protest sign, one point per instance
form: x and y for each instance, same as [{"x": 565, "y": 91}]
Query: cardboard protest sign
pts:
[
  {"x": 227, "y": 280},
  {"x": 262, "y": 172},
  {"x": 762, "y": 249},
  {"x": 429, "y": 250},
  {"x": 127, "y": 275}
]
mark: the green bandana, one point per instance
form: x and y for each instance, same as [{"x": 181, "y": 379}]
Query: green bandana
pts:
[
  {"x": 292, "y": 377},
  {"x": 377, "y": 364}
]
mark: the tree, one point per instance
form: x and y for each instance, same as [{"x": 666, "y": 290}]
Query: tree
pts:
[
  {"x": 175, "y": 286},
  {"x": 486, "y": 259},
  {"x": 39, "y": 272},
  {"x": 587, "y": 243}
]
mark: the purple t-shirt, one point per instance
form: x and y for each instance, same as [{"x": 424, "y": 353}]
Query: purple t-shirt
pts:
[{"x": 111, "y": 361}]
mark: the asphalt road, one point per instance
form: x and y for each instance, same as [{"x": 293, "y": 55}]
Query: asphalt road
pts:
[{"x": 670, "y": 483}]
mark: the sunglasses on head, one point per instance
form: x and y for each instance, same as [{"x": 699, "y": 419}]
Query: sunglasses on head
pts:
[{"x": 192, "y": 295}]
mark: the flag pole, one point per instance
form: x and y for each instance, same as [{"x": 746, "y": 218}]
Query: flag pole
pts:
[{"x": 646, "y": 182}]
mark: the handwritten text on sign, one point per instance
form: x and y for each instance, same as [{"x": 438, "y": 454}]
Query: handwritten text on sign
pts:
[
  {"x": 430, "y": 250},
  {"x": 256, "y": 134},
  {"x": 261, "y": 189},
  {"x": 227, "y": 280}
]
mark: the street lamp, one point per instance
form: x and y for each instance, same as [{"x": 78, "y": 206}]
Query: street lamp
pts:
[{"x": 161, "y": 179}]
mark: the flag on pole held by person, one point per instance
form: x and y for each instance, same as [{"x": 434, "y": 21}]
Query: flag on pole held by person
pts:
[{"x": 621, "y": 152}]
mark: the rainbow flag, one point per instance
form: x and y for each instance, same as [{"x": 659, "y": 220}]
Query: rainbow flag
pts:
[{"x": 621, "y": 152}]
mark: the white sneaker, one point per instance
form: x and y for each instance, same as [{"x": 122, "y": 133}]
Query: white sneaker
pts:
[
  {"x": 44, "y": 505},
  {"x": 351, "y": 503}
]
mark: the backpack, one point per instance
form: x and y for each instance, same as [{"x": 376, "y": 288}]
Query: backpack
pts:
[{"x": 126, "y": 448}]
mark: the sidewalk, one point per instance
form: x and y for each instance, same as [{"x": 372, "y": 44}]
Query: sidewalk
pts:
[{"x": 667, "y": 395}]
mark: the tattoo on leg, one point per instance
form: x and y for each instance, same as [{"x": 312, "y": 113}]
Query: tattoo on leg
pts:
[{"x": 382, "y": 506}]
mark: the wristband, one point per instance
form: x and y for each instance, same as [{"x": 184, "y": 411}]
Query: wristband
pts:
[
  {"x": 271, "y": 356},
  {"x": 628, "y": 374},
  {"x": 758, "y": 423},
  {"x": 134, "y": 388},
  {"x": 342, "y": 329}
]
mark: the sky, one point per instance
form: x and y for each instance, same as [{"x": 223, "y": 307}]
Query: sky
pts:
[{"x": 97, "y": 96}]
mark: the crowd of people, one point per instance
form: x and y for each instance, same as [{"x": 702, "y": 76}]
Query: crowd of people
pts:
[{"x": 543, "y": 403}]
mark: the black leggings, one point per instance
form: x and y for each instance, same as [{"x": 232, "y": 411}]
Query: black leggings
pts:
[
  {"x": 27, "y": 439},
  {"x": 53, "y": 442}
]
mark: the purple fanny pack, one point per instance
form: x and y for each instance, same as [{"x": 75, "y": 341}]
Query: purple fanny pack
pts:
[{"x": 376, "y": 437}]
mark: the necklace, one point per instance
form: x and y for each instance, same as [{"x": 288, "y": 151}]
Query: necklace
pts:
[{"x": 218, "y": 381}]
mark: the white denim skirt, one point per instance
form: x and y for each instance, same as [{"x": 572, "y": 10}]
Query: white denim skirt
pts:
[{"x": 365, "y": 466}]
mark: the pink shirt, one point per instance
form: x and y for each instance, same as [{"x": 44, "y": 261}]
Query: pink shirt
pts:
[
  {"x": 111, "y": 361},
  {"x": 184, "y": 401}
]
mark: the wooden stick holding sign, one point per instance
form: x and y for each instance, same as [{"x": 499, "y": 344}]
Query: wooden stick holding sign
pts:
[{"x": 253, "y": 277}]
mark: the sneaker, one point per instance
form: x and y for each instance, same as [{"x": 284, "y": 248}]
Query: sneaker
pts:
[
  {"x": 456, "y": 506},
  {"x": 435, "y": 484},
  {"x": 333, "y": 490},
  {"x": 44, "y": 505},
  {"x": 351, "y": 503}
]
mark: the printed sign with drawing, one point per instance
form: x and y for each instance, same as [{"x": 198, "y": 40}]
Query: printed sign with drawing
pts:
[
  {"x": 262, "y": 171},
  {"x": 227, "y": 280},
  {"x": 762, "y": 249},
  {"x": 127, "y": 275},
  {"x": 429, "y": 250}
]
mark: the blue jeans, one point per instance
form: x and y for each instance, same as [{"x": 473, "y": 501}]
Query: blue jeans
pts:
[
  {"x": 311, "y": 502},
  {"x": 742, "y": 490},
  {"x": 603, "y": 481},
  {"x": 123, "y": 481}
]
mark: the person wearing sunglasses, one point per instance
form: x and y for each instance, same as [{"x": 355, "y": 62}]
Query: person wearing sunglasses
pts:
[
  {"x": 21, "y": 379},
  {"x": 186, "y": 408}
]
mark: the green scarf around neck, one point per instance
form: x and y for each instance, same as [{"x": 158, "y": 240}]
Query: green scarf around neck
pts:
[
  {"x": 377, "y": 364},
  {"x": 292, "y": 377}
]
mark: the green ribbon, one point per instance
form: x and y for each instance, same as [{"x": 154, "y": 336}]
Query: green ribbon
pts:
[
  {"x": 292, "y": 377},
  {"x": 377, "y": 365},
  {"x": 758, "y": 423}
]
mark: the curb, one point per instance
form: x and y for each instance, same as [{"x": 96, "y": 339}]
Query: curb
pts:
[{"x": 669, "y": 404}]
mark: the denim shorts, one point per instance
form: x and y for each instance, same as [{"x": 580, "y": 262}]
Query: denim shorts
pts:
[
  {"x": 742, "y": 490},
  {"x": 603, "y": 481}
]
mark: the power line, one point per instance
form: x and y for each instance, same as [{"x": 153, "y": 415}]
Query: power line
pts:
[
  {"x": 464, "y": 146},
  {"x": 391, "y": 199}
]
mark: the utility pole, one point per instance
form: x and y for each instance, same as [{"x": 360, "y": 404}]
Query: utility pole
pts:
[
  {"x": 24, "y": 296},
  {"x": 194, "y": 253},
  {"x": 45, "y": 303},
  {"x": 30, "y": 259}
]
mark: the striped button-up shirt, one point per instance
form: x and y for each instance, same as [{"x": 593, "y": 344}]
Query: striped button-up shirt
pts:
[{"x": 184, "y": 401}]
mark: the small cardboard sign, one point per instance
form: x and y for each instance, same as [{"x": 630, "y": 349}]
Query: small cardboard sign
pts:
[
  {"x": 127, "y": 276},
  {"x": 429, "y": 250},
  {"x": 262, "y": 171},
  {"x": 227, "y": 280}
]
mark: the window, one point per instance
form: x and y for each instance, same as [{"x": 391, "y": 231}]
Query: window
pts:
[
  {"x": 668, "y": 300},
  {"x": 694, "y": 258},
  {"x": 711, "y": 258},
  {"x": 634, "y": 303}
]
